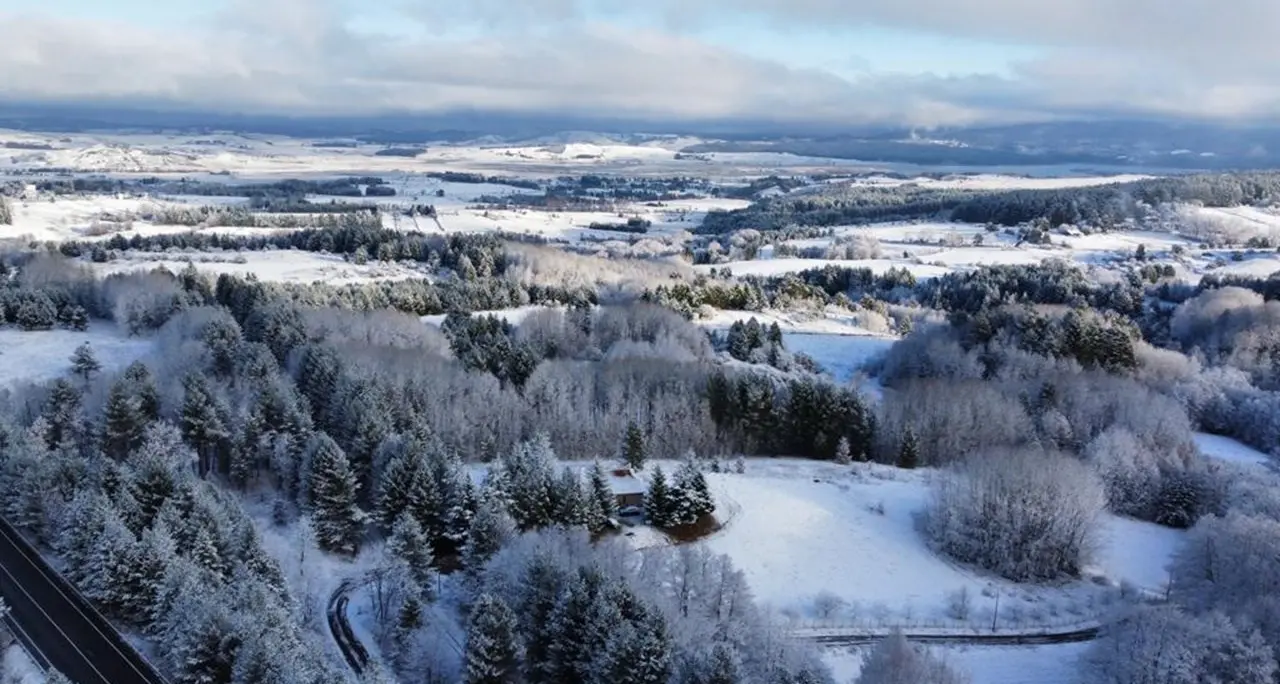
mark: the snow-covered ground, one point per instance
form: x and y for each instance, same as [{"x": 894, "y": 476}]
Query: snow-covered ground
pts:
[
  {"x": 799, "y": 529},
  {"x": 1227, "y": 449},
  {"x": 46, "y": 354},
  {"x": 513, "y": 316},
  {"x": 1052, "y": 664},
  {"x": 286, "y": 265},
  {"x": 833, "y": 321},
  {"x": 839, "y": 355},
  {"x": 1138, "y": 552},
  {"x": 16, "y": 667}
]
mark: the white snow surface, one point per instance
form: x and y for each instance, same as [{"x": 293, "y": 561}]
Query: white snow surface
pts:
[
  {"x": 1227, "y": 449},
  {"x": 839, "y": 355},
  {"x": 46, "y": 354},
  {"x": 1047, "y": 664},
  {"x": 285, "y": 265},
  {"x": 16, "y": 667},
  {"x": 801, "y": 528},
  {"x": 1138, "y": 552}
]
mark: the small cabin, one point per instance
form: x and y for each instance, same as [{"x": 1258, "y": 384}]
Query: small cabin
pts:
[{"x": 627, "y": 489}]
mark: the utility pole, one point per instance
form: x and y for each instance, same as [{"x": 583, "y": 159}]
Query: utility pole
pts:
[{"x": 995, "y": 613}]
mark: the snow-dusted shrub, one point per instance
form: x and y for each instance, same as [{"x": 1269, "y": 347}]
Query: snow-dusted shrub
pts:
[
  {"x": 1026, "y": 514},
  {"x": 1164, "y": 645},
  {"x": 896, "y": 661}
]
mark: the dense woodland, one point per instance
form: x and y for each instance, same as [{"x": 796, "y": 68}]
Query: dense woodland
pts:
[{"x": 1100, "y": 207}]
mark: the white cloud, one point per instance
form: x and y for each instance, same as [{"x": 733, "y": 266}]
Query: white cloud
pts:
[{"x": 579, "y": 56}]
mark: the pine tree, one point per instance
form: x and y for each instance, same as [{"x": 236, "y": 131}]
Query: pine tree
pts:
[
  {"x": 202, "y": 424},
  {"x": 151, "y": 557},
  {"x": 490, "y": 530},
  {"x": 144, "y": 388},
  {"x": 723, "y": 667},
  {"x": 492, "y": 650},
  {"x": 527, "y": 480},
  {"x": 124, "y": 422},
  {"x": 406, "y": 485},
  {"x": 695, "y": 494},
  {"x": 334, "y": 492},
  {"x": 409, "y": 543},
  {"x": 409, "y": 619},
  {"x": 62, "y": 414},
  {"x": 580, "y": 626},
  {"x": 843, "y": 456},
  {"x": 909, "y": 452},
  {"x": 84, "y": 363},
  {"x": 602, "y": 505},
  {"x": 659, "y": 504},
  {"x": 633, "y": 449},
  {"x": 638, "y": 653},
  {"x": 571, "y": 505}
]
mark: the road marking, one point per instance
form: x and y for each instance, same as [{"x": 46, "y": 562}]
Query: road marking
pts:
[
  {"x": 56, "y": 580},
  {"x": 40, "y": 608}
]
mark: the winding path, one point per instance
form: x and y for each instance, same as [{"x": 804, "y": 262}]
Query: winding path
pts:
[{"x": 352, "y": 650}]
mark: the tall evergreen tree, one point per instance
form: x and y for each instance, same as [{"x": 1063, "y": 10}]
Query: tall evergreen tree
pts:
[
  {"x": 333, "y": 495},
  {"x": 694, "y": 495},
  {"x": 124, "y": 421},
  {"x": 544, "y": 581},
  {"x": 909, "y": 452},
  {"x": 659, "y": 504},
  {"x": 571, "y": 505},
  {"x": 62, "y": 414},
  {"x": 144, "y": 388},
  {"x": 407, "y": 485},
  {"x": 602, "y": 505},
  {"x": 492, "y": 655},
  {"x": 633, "y": 448},
  {"x": 409, "y": 543},
  {"x": 202, "y": 422},
  {"x": 84, "y": 363},
  {"x": 490, "y": 530}
]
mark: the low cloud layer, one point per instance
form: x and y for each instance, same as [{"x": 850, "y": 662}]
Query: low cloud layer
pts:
[{"x": 607, "y": 58}]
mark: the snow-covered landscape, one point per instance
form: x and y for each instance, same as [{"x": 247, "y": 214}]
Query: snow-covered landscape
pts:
[{"x": 600, "y": 310}]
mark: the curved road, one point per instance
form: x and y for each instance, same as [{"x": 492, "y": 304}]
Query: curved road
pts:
[
  {"x": 352, "y": 650},
  {"x": 58, "y": 626},
  {"x": 358, "y": 658}
]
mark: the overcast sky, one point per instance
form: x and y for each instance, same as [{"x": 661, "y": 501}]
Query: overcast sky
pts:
[{"x": 919, "y": 62}]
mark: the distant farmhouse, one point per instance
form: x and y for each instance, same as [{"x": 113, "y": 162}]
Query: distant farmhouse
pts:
[{"x": 627, "y": 488}]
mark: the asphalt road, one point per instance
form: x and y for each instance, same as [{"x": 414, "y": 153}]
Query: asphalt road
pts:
[{"x": 58, "y": 625}]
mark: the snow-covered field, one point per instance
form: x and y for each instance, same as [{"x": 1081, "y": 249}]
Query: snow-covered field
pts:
[
  {"x": 799, "y": 529},
  {"x": 839, "y": 355},
  {"x": 45, "y": 354},
  {"x": 1053, "y": 664},
  {"x": 1227, "y": 449},
  {"x": 286, "y": 265}
]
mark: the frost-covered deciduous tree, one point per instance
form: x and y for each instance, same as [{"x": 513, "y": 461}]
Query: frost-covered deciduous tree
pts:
[
  {"x": 896, "y": 661},
  {"x": 1164, "y": 645},
  {"x": 1025, "y": 514}
]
